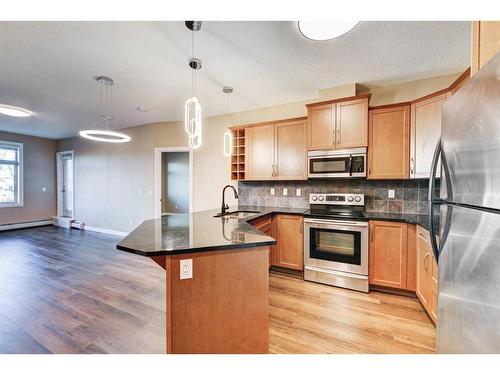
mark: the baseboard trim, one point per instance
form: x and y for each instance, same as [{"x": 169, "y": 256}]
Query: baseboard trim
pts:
[
  {"x": 26, "y": 224},
  {"x": 105, "y": 231}
]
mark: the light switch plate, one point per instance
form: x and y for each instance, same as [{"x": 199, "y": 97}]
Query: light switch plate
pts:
[
  {"x": 285, "y": 191},
  {"x": 186, "y": 270},
  {"x": 298, "y": 192},
  {"x": 273, "y": 191},
  {"x": 391, "y": 193}
]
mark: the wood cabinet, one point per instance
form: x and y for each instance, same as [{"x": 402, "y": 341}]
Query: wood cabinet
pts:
[
  {"x": 427, "y": 274},
  {"x": 352, "y": 123},
  {"x": 389, "y": 142},
  {"x": 265, "y": 224},
  {"x": 485, "y": 42},
  {"x": 277, "y": 151},
  {"x": 260, "y": 152},
  {"x": 341, "y": 123},
  {"x": 388, "y": 254},
  {"x": 425, "y": 133},
  {"x": 290, "y": 150},
  {"x": 290, "y": 237}
]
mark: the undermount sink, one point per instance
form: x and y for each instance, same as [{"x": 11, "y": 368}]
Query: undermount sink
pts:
[{"x": 238, "y": 214}]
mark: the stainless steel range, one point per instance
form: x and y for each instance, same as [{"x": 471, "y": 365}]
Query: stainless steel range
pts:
[{"x": 336, "y": 241}]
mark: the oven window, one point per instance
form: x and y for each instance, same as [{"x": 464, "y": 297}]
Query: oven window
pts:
[
  {"x": 335, "y": 245},
  {"x": 329, "y": 165}
]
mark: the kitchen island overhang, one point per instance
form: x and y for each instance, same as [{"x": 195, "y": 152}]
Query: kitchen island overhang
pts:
[{"x": 223, "y": 307}]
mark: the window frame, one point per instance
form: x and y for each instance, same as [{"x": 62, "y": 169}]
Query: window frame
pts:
[{"x": 19, "y": 182}]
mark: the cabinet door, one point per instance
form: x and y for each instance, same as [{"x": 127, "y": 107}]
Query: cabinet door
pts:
[
  {"x": 321, "y": 127},
  {"x": 388, "y": 254},
  {"x": 425, "y": 133},
  {"x": 485, "y": 42},
  {"x": 389, "y": 143},
  {"x": 352, "y": 124},
  {"x": 260, "y": 152},
  {"x": 290, "y": 150},
  {"x": 423, "y": 286},
  {"x": 432, "y": 307},
  {"x": 290, "y": 247}
]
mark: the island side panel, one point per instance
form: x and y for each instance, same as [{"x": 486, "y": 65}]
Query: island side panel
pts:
[{"x": 224, "y": 308}]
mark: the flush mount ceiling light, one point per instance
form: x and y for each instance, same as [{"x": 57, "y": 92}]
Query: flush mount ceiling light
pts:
[
  {"x": 325, "y": 30},
  {"x": 192, "y": 107},
  {"x": 105, "y": 114},
  {"x": 13, "y": 111}
]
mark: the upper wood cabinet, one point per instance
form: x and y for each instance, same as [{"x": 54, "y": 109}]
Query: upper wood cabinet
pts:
[
  {"x": 290, "y": 242},
  {"x": 341, "y": 123},
  {"x": 321, "y": 126},
  {"x": 290, "y": 150},
  {"x": 352, "y": 123},
  {"x": 388, "y": 254},
  {"x": 389, "y": 142},
  {"x": 260, "y": 152},
  {"x": 485, "y": 42},
  {"x": 277, "y": 151},
  {"x": 425, "y": 133}
]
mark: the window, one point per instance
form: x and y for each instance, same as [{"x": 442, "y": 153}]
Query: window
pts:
[{"x": 11, "y": 174}]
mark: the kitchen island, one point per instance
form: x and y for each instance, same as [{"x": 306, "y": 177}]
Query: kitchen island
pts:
[{"x": 217, "y": 280}]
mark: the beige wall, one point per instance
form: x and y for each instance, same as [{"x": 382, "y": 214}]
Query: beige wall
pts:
[
  {"x": 114, "y": 183},
  {"x": 39, "y": 171}
]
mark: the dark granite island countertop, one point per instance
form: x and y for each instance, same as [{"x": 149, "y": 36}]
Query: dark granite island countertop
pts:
[{"x": 199, "y": 231}]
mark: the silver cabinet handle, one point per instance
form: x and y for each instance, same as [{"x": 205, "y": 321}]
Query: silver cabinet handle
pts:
[
  {"x": 425, "y": 263},
  {"x": 411, "y": 166},
  {"x": 273, "y": 174}
]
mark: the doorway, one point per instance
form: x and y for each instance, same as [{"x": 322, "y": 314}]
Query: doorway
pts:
[
  {"x": 65, "y": 184},
  {"x": 173, "y": 181}
]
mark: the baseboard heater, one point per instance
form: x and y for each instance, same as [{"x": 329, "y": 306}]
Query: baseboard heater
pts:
[{"x": 25, "y": 224}]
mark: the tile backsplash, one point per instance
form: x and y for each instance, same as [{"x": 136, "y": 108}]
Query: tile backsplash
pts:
[{"x": 410, "y": 196}]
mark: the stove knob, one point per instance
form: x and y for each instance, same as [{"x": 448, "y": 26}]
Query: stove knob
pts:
[
  {"x": 321, "y": 198},
  {"x": 349, "y": 198},
  {"x": 358, "y": 198},
  {"x": 314, "y": 198}
]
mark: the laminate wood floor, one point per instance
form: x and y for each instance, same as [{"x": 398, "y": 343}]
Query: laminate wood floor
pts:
[{"x": 69, "y": 291}]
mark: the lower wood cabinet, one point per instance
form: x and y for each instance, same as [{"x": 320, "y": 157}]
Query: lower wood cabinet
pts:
[
  {"x": 289, "y": 232},
  {"x": 427, "y": 274},
  {"x": 388, "y": 254}
]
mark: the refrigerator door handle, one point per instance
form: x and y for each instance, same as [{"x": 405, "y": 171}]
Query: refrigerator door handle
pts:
[{"x": 433, "y": 201}]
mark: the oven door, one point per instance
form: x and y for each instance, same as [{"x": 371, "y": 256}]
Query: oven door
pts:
[{"x": 336, "y": 245}]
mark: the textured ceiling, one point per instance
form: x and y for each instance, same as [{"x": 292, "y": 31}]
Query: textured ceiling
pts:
[{"x": 47, "y": 67}]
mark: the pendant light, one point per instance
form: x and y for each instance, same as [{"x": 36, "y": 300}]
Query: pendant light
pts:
[
  {"x": 105, "y": 114},
  {"x": 192, "y": 107},
  {"x": 228, "y": 134}
]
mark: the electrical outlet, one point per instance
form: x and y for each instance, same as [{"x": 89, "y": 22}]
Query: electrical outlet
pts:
[
  {"x": 391, "y": 193},
  {"x": 131, "y": 222},
  {"x": 44, "y": 189},
  {"x": 140, "y": 191},
  {"x": 186, "y": 270},
  {"x": 272, "y": 191},
  {"x": 285, "y": 191},
  {"x": 298, "y": 192}
]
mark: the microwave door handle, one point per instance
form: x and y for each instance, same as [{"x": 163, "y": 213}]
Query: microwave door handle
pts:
[{"x": 350, "y": 165}]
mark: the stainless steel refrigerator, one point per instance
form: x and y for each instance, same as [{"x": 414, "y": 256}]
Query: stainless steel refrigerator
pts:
[{"x": 468, "y": 207}]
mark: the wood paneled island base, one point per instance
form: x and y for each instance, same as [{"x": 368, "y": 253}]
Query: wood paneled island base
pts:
[{"x": 223, "y": 308}]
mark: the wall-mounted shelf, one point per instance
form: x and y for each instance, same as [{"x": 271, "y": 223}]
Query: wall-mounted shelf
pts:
[{"x": 238, "y": 161}]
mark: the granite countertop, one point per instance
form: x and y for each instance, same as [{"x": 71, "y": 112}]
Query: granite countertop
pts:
[
  {"x": 199, "y": 231},
  {"x": 419, "y": 219}
]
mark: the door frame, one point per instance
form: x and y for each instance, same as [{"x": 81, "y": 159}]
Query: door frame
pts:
[
  {"x": 60, "y": 203},
  {"x": 158, "y": 151}
]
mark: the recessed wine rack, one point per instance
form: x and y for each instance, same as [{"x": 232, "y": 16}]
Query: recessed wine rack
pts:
[{"x": 238, "y": 157}]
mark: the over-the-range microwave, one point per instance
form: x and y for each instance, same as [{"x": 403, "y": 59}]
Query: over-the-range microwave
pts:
[{"x": 349, "y": 162}]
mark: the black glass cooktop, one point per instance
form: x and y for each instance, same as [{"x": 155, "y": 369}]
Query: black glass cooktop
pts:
[{"x": 336, "y": 212}]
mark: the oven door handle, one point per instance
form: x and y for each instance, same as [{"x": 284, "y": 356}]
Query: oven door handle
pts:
[{"x": 337, "y": 223}]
